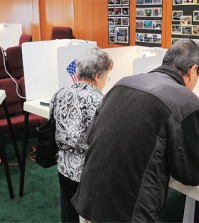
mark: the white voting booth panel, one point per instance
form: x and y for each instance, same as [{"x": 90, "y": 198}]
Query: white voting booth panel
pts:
[
  {"x": 151, "y": 59},
  {"x": 65, "y": 56},
  {"x": 10, "y": 34},
  {"x": 45, "y": 65},
  {"x": 123, "y": 64},
  {"x": 126, "y": 60}
]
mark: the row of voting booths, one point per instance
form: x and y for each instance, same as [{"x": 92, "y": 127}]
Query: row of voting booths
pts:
[{"x": 46, "y": 62}]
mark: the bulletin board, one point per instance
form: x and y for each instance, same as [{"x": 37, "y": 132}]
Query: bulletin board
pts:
[
  {"x": 149, "y": 23},
  {"x": 185, "y": 20},
  {"x": 118, "y": 21}
]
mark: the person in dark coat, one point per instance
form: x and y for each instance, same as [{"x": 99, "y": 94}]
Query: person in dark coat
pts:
[{"x": 145, "y": 130}]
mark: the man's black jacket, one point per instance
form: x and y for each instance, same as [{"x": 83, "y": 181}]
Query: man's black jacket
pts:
[{"x": 146, "y": 129}]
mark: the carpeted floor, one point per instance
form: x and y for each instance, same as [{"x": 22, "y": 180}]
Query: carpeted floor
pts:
[{"x": 40, "y": 202}]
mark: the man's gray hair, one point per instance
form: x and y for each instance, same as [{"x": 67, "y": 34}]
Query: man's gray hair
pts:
[
  {"x": 182, "y": 55},
  {"x": 95, "y": 61}
]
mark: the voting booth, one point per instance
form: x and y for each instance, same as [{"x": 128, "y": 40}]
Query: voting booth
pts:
[
  {"x": 10, "y": 34},
  {"x": 131, "y": 60},
  {"x": 45, "y": 65},
  {"x": 151, "y": 59}
]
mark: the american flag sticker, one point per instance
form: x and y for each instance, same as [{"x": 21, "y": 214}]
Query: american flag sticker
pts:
[{"x": 71, "y": 69}]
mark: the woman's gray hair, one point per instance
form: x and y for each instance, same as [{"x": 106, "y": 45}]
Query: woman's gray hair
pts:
[
  {"x": 182, "y": 55},
  {"x": 95, "y": 61}
]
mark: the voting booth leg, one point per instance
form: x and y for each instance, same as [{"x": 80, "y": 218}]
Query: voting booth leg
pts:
[
  {"x": 196, "y": 219},
  {"x": 189, "y": 210},
  {"x": 23, "y": 154},
  {"x": 6, "y": 168},
  {"x": 12, "y": 134}
]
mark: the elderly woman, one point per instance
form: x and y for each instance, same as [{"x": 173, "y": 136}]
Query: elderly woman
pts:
[{"x": 74, "y": 108}]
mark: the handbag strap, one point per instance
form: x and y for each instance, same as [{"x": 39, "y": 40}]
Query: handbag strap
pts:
[{"x": 53, "y": 105}]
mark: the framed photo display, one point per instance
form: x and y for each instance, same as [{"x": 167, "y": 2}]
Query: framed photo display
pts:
[
  {"x": 118, "y": 21},
  {"x": 149, "y": 22},
  {"x": 185, "y": 20}
]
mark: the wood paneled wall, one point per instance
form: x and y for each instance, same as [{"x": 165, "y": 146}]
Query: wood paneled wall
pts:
[
  {"x": 166, "y": 22},
  {"x": 87, "y": 18},
  {"x": 91, "y": 21},
  {"x": 55, "y": 13},
  {"x": 25, "y": 12}
]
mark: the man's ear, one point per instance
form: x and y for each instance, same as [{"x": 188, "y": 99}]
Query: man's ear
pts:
[
  {"x": 193, "y": 70},
  {"x": 190, "y": 78},
  {"x": 187, "y": 76}
]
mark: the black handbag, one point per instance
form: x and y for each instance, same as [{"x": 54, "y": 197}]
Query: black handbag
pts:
[{"x": 46, "y": 147}]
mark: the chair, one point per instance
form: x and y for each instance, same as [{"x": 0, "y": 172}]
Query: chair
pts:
[
  {"x": 15, "y": 107},
  {"x": 25, "y": 38},
  {"x": 60, "y": 32},
  {"x": 15, "y": 110},
  {"x": 14, "y": 61},
  {"x": 3, "y": 73}
]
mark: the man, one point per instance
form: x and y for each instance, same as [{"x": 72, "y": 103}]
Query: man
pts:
[{"x": 146, "y": 129}]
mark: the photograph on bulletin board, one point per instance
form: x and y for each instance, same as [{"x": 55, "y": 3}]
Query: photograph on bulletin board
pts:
[
  {"x": 112, "y": 38},
  {"x": 195, "y": 30},
  {"x": 125, "y": 21},
  {"x": 118, "y": 21},
  {"x": 122, "y": 35},
  {"x": 185, "y": 20},
  {"x": 125, "y": 2},
  {"x": 139, "y": 12},
  {"x": 187, "y": 30},
  {"x": 196, "y": 15},
  {"x": 176, "y": 29},
  {"x": 176, "y": 15},
  {"x": 157, "y": 38}
]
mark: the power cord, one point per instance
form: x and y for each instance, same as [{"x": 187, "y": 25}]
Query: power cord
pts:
[
  {"x": 4, "y": 63},
  {"x": 31, "y": 155}
]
